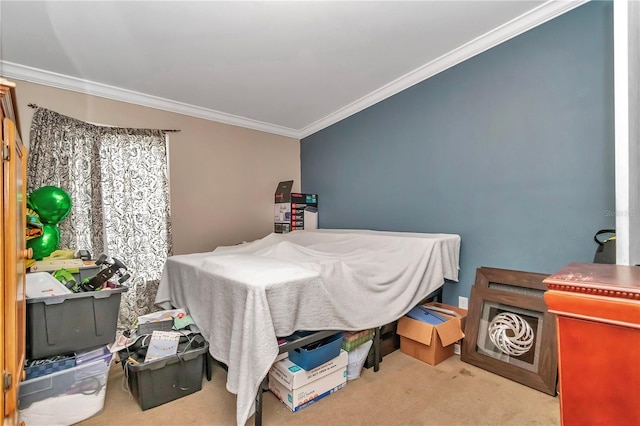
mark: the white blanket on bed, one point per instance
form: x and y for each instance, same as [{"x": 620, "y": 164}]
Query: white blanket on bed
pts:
[{"x": 242, "y": 297}]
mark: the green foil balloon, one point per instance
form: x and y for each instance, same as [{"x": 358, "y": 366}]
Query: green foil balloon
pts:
[
  {"x": 46, "y": 243},
  {"x": 53, "y": 204}
]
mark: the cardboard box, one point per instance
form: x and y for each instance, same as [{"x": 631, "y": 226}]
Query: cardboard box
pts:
[
  {"x": 432, "y": 343},
  {"x": 353, "y": 339},
  {"x": 282, "y": 210},
  {"x": 297, "y": 399},
  {"x": 294, "y": 210},
  {"x": 304, "y": 211},
  {"x": 293, "y": 377}
]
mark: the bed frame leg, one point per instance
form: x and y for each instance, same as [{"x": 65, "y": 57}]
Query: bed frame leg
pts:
[
  {"x": 258, "y": 416},
  {"x": 439, "y": 295},
  {"x": 376, "y": 348},
  {"x": 208, "y": 366}
]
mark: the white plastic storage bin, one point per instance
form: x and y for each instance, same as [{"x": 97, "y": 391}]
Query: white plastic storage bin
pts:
[{"x": 65, "y": 397}]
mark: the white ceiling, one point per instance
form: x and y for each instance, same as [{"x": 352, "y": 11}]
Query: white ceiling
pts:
[{"x": 289, "y": 68}]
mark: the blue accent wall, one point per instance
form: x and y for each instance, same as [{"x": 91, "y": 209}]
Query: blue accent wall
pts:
[{"x": 512, "y": 149}]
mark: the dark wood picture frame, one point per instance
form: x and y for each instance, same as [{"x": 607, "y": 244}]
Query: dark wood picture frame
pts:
[{"x": 521, "y": 293}]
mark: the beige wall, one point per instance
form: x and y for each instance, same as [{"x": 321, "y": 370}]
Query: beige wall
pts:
[{"x": 222, "y": 177}]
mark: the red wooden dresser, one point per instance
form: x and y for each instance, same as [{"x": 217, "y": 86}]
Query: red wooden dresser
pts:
[{"x": 597, "y": 307}]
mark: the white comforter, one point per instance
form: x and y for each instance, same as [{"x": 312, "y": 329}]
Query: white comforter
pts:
[{"x": 242, "y": 297}]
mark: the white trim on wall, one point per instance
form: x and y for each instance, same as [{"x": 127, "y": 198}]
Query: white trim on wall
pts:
[
  {"x": 634, "y": 130},
  {"x": 543, "y": 13},
  {"x": 47, "y": 78},
  {"x": 519, "y": 25},
  {"x": 626, "y": 36},
  {"x": 621, "y": 108}
]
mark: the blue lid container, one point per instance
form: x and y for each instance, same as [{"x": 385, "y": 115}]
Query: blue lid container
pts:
[{"x": 317, "y": 353}]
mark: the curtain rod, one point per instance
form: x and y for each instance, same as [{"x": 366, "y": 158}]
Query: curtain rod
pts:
[{"x": 162, "y": 130}]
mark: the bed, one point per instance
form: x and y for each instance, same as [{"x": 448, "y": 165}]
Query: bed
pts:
[{"x": 243, "y": 297}]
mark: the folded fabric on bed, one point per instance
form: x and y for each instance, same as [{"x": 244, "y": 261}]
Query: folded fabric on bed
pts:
[{"x": 242, "y": 297}]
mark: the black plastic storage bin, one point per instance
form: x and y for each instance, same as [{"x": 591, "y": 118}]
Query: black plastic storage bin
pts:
[
  {"x": 71, "y": 322},
  {"x": 163, "y": 380}
]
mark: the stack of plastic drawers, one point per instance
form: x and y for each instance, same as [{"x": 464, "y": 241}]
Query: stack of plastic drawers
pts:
[{"x": 67, "y": 358}]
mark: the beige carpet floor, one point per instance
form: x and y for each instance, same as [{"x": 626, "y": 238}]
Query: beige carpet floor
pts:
[{"x": 404, "y": 391}]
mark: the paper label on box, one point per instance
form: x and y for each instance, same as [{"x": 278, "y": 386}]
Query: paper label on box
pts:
[{"x": 282, "y": 213}]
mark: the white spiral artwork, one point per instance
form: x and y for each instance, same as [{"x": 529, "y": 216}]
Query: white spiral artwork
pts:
[{"x": 511, "y": 334}]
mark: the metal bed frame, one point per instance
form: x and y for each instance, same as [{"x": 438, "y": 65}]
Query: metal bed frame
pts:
[{"x": 319, "y": 335}]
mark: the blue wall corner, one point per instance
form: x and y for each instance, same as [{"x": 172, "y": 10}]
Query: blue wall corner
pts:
[{"x": 512, "y": 149}]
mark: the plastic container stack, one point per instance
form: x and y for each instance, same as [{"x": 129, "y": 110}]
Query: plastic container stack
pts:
[{"x": 68, "y": 359}]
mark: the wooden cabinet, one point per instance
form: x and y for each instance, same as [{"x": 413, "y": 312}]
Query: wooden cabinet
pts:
[
  {"x": 13, "y": 254},
  {"x": 597, "y": 307}
]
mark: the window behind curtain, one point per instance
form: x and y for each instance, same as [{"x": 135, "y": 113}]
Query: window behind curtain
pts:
[{"x": 118, "y": 182}]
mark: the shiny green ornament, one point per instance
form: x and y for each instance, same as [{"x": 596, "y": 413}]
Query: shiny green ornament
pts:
[
  {"x": 52, "y": 204},
  {"x": 46, "y": 243}
]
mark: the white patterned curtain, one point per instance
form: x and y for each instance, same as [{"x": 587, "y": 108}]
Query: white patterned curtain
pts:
[
  {"x": 118, "y": 182},
  {"x": 64, "y": 152}
]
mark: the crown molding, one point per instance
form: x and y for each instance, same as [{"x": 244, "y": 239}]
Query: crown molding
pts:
[
  {"x": 538, "y": 16},
  {"x": 47, "y": 78},
  {"x": 523, "y": 23}
]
